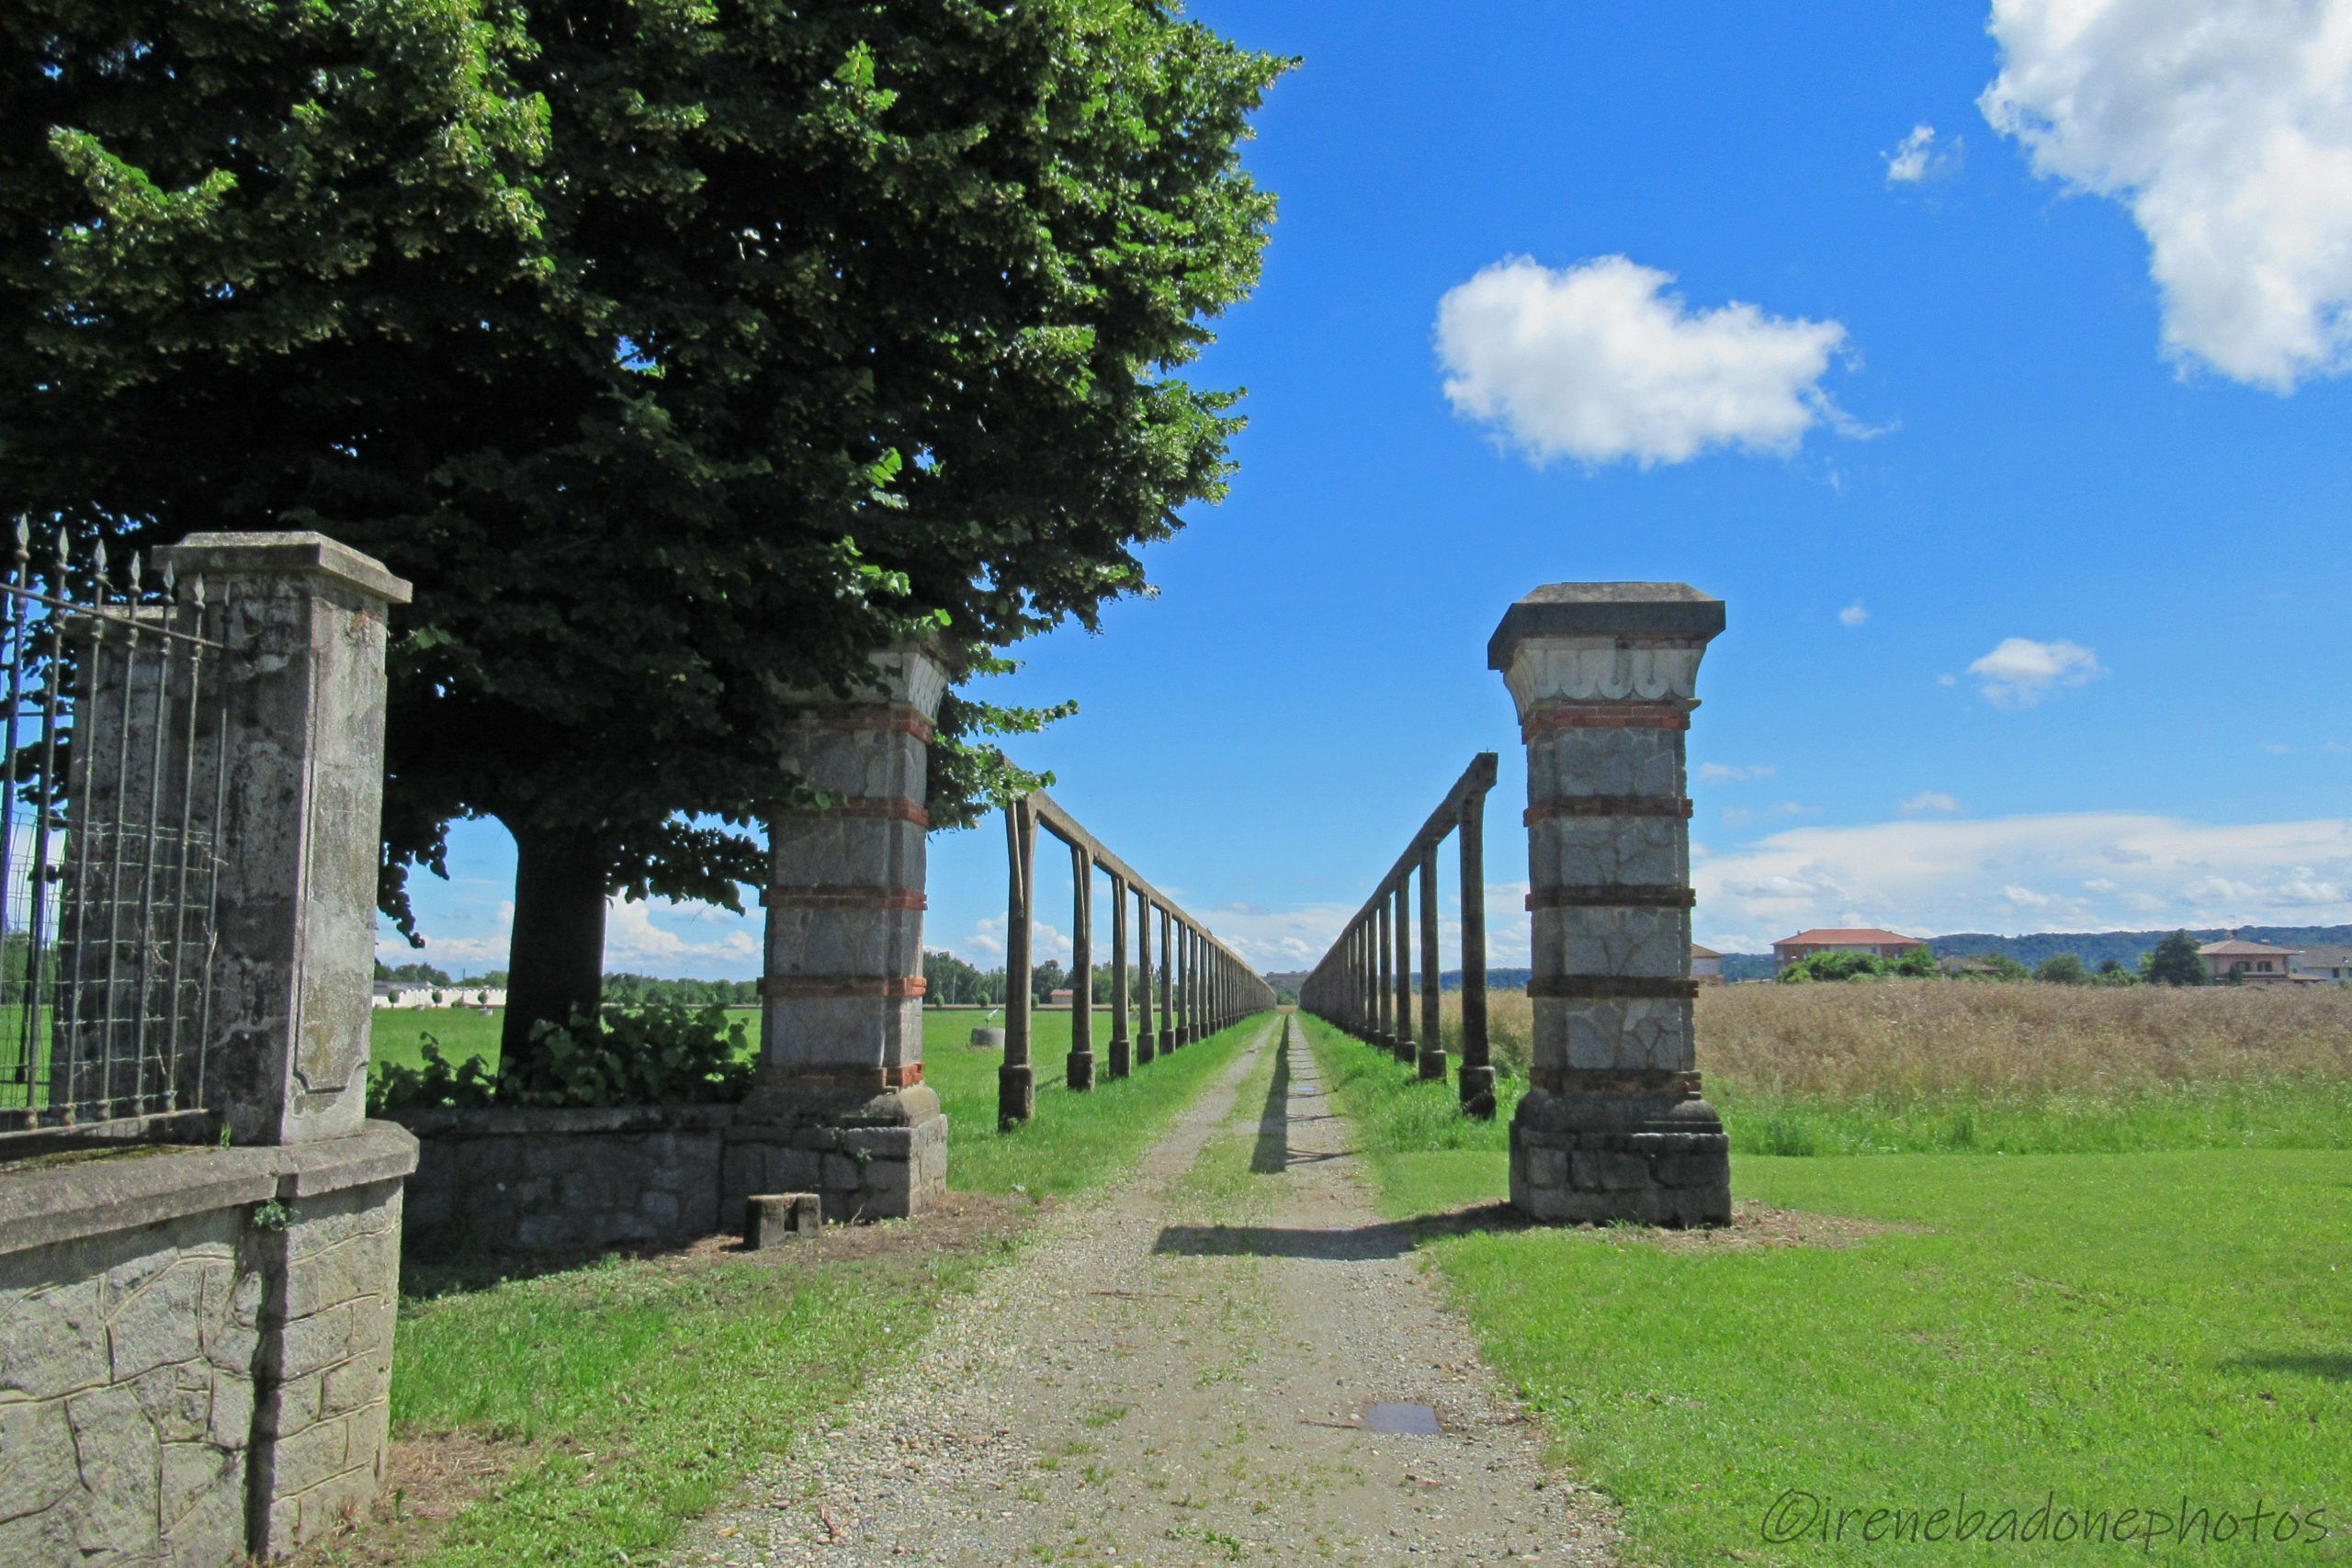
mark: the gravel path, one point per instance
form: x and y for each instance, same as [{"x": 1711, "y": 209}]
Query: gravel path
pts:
[{"x": 1173, "y": 1372}]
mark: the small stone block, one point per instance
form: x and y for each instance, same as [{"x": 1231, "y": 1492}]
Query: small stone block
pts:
[{"x": 771, "y": 1219}]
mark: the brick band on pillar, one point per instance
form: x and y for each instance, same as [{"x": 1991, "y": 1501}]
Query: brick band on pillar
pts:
[
  {"x": 839, "y": 1106},
  {"x": 1612, "y": 1127}
]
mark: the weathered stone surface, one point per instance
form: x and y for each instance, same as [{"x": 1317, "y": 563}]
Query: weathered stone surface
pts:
[
  {"x": 772, "y": 1219},
  {"x": 304, "y": 725},
  {"x": 1604, "y": 676},
  {"x": 147, "y": 1371}
]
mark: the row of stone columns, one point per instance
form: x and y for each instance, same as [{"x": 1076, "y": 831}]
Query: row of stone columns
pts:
[
  {"x": 1203, "y": 985},
  {"x": 1365, "y": 983}
]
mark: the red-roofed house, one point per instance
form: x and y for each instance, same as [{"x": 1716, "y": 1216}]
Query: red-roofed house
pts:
[{"x": 1866, "y": 939}]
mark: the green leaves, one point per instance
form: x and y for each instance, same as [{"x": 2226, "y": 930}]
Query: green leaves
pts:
[{"x": 613, "y": 328}]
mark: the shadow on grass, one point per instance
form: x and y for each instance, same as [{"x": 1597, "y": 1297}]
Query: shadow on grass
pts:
[
  {"x": 2335, "y": 1366},
  {"x": 1337, "y": 1244}
]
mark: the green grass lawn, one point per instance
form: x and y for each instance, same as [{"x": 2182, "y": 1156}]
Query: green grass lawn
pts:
[
  {"x": 633, "y": 1394},
  {"x": 2098, "y": 1331}
]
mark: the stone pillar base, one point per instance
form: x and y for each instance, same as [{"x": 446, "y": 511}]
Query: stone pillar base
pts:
[
  {"x": 1081, "y": 1069},
  {"x": 1016, "y": 1094},
  {"x": 1402, "y": 1050},
  {"x": 1122, "y": 1058},
  {"x": 1637, "y": 1160},
  {"x": 1477, "y": 1086},
  {"x": 1167, "y": 1041},
  {"x": 1432, "y": 1063},
  {"x": 879, "y": 1157}
]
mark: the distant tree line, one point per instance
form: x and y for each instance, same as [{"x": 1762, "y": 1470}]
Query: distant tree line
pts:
[
  {"x": 2175, "y": 961},
  {"x": 950, "y": 980}
]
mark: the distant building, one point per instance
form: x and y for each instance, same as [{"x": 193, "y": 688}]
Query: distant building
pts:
[
  {"x": 1865, "y": 939},
  {"x": 2332, "y": 965},
  {"x": 1706, "y": 966},
  {"x": 424, "y": 994},
  {"x": 1059, "y": 997},
  {"x": 2250, "y": 961}
]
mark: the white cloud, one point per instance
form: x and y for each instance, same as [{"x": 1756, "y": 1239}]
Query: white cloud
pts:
[
  {"x": 1918, "y": 159},
  {"x": 2019, "y": 672},
  {"x": 1726, "y": 772},
  {"x": 632, "y": 940},
  {"x": 723, "y": 943},
  {"x": 1853, "y": 614},
  {"x": 1740, "y": 816},
  {"x": 1598, "y": 363},
  {"x": 985, "y": 946},
  {"x": 2226, "y": 130},
  {"x": 1928, "y": 800},
  {"x": 2134, "y": 870}
]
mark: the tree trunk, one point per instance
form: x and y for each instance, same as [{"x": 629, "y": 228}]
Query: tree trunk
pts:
[{"x": 555, "y": 966}]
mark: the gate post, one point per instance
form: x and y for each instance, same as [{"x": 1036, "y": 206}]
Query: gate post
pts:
[
  {"x": 1613, "y": 1126},
  {"x": 839, "y": 1106},
  {"x": 301, "y": 736}
]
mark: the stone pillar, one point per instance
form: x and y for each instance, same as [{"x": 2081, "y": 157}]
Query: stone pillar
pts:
[
  {"x": 1081, "y": 970},
  {"x": 303, "y": 720},
  {"x": 1383, "y": 1022},
  {"x": 1122, "y": 1041},
  {"x": 839, "y": 1106},
  {"x": 1613, "y": 1126},
  {"x": 1432, "y": 1058},
  {"x": 1166, "y": 963},
  {"x": 1475, "y": 1077},
  {"x": 1146, "y": 1039},
  {"x": 1188, "y": 963},
  {"x": 306, "y": 620},
  {"x": 1016, "y": 1078},
  {"x": 1402, "y": 948}
]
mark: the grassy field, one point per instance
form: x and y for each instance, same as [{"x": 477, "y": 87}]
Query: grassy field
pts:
[
  {"x": 615, "y": 1401},
  {"x": 1919, "y": 1067},
  {"x": 2093, "y": 1332}
]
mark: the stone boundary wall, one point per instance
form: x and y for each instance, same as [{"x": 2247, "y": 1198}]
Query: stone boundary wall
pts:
[
  {"x": 563, "y": 1181},
  {"x": 526, "y": 1180},
  {"x": 186, "y": 1376}
]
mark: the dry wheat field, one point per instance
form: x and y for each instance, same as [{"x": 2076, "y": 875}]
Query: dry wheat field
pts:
[{"x": 1916, "y": 1065}]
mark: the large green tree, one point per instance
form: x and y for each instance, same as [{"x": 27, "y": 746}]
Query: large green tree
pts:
[{"x": 681, "y": 352}]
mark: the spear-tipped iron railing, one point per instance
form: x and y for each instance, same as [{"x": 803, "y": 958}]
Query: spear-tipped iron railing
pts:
[{"x": 111, "y": 780}]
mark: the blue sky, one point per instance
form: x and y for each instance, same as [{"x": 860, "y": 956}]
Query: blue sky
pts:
[{"x": 2017, "y": 450}]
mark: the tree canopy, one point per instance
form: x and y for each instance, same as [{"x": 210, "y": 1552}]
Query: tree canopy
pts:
[
  {"x": 681, "y": 356},
  {"x": 2174, "y": 961}
]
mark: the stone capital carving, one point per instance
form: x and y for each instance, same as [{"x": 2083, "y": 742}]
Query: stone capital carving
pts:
[{"x": 1600, "y": 669}]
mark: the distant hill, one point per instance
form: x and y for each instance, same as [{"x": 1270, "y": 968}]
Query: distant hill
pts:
[{"x": 2093, "y": 948}]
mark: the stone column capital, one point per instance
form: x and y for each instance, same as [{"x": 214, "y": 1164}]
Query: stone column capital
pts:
[
  {"x": 1604, "y": 643},
  {"x": 283, "y": 555}
]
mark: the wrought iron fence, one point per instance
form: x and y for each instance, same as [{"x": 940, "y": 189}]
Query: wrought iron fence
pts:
[{"x": 111, "y": 772}]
